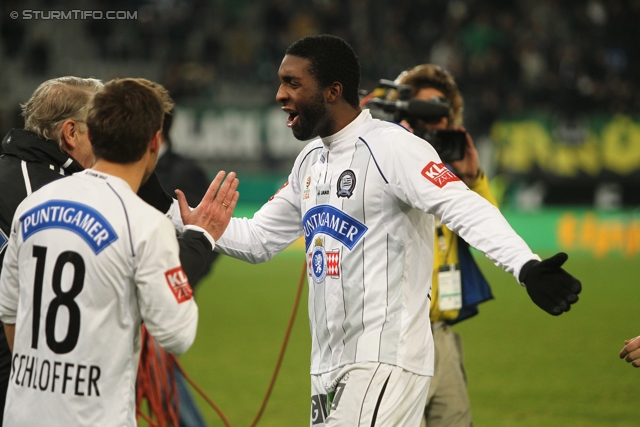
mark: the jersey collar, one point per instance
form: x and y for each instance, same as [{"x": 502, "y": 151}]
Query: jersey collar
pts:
[
  {"x": 101, "y": 176},
  {"x": 357, "y": 122}
]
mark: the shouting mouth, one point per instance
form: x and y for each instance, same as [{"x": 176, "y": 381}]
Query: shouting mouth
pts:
[{"x": 293, "y": 119}]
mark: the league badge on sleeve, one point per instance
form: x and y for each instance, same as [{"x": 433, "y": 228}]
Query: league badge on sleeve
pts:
[
  {"x": 179, "y": 284},
  {"x": 306, "y": 191},
  {"x": 439, "y": 174}
]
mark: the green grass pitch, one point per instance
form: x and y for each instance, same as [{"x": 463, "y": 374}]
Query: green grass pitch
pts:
[{"x": 525, "y": 367}]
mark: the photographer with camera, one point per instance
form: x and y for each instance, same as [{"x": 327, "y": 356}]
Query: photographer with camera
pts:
[{"x": 454, "y": 270}]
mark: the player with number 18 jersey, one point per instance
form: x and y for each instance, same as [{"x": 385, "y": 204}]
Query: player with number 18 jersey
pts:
[{"x": 88, "y": 262}]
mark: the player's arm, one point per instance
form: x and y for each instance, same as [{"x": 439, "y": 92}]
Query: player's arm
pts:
[
  {"x": 205, "y": 224},
  {"x": 271, "y": 230},
  {"x": 422, "y": 181},
  {"x": 197, "y": 231},
  {"x": 481, "y": 186},
  {"x": 212, "y": 213},
  {"x": 216, "y": 207},
  {"x": 167, "y": 307}
]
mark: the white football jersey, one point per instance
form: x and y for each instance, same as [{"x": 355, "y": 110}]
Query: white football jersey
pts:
[
  {"x": 364, "y": 199},
  {"x": 88, "y": 261}
]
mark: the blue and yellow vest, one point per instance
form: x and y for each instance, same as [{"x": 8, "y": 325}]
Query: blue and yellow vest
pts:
[{"x": 475, "y": 288}]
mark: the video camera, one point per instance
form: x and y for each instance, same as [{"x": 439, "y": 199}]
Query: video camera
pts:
[{"x": 450, "y": 144}]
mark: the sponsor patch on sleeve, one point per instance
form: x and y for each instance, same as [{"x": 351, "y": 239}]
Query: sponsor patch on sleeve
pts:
[
  {"x": 280, "y": 189},
  {"x": 438, "y": 174},
  {"x": 179, "y": 284}
]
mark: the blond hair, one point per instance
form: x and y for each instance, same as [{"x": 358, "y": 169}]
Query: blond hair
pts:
[
  {"x": 432, "y": 76},
  {"x": 55, "y": 101}
]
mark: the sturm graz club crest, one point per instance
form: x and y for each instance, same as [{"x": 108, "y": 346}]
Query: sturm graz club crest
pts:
[
  {"x": 318, "y": 261},
  {"x": 322, "y": 263},
  {"x": 346, "y": 183}
]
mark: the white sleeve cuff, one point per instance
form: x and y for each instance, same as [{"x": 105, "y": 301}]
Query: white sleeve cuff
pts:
[
  {"x": 174, "y": 215},
  {"x": 206, "y": 234}
]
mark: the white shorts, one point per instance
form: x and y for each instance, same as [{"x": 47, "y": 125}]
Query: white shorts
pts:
[{"x": 368, "y": 394}]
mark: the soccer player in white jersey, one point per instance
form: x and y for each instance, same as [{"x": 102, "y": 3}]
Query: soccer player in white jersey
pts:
[
  {"x": 87, "y": 262},
  {"x": 364, "y": 196}
]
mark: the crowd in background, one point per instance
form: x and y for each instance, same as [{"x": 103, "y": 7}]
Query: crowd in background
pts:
[
  {"x": 569, "y": 56},
  {"x": 565, "y": 57}
]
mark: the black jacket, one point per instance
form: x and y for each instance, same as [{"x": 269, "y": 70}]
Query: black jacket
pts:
[
  {"x": 175, "y": 171},
  {"x": 28, "y": 163},
  {"x": 179, "y": 172}
]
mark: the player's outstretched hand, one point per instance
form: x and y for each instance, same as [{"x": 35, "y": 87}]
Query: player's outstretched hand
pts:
[
  {"x": 631, "y": 351},
  {"x": 216, "y": 208},
  {"x": 549, "y": 286}
]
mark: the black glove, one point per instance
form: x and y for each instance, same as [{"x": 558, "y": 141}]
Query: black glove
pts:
[{"x": 549, "y": 286}]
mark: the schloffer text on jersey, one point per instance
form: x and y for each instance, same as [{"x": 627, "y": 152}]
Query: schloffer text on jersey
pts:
[{"x": 54, "y": 376}]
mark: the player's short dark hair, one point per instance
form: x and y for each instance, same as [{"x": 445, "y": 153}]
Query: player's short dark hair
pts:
[
  {"x": 122, "y": 119},
  {"x": 332, "y": 60}
]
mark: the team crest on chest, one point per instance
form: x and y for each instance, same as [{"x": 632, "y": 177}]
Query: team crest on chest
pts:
[
  {"x": 322, "y": 263},
  {"x": 346, "y": 184}
]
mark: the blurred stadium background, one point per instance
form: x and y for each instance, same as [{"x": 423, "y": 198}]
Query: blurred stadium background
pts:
[{"x": 552, "y": 101}]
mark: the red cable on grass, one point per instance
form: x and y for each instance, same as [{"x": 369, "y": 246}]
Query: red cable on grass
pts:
[
  {"x": 285, "y": 342},
  {"x": 156, "y": 384},
  {"x": 284, "y": 345},
  {"x": 211, "y": 403}
]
